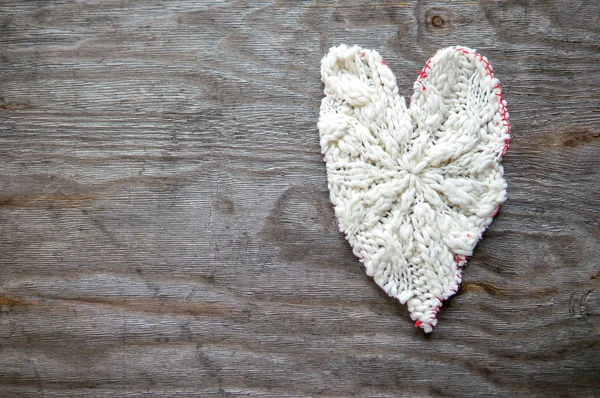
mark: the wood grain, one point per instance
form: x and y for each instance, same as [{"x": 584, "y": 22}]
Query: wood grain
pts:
[{"x": 164, "y": 215}]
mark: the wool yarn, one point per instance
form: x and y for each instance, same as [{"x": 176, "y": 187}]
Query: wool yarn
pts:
[{"x": 413, "y": 188}]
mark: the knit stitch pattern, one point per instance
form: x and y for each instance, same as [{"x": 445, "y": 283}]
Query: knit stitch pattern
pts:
[{"x": 414, "y": 188}]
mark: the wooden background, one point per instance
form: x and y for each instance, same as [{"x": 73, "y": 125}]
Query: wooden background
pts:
[{"x": 164, "y": 216}]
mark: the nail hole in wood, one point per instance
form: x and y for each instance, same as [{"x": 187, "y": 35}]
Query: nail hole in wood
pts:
[{"x": 437, "y": 21}]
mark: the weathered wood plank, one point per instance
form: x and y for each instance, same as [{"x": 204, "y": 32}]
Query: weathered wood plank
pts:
[{"x": 165, "y": 221}]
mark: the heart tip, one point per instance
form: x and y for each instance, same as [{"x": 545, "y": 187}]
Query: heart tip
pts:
[{"x": 427, "y": 327}]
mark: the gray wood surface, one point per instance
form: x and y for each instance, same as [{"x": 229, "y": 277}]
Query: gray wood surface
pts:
[{"x": 164, "y": 216}]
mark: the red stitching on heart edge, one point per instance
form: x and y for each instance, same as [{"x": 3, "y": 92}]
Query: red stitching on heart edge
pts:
[{"x": 462, "y": 260}]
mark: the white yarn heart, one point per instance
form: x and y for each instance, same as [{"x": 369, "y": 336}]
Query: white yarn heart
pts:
[{"x": 414, "y": 188}]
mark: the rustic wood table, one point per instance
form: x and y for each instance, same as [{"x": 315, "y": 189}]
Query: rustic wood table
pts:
[{"x": 165, "y": 222}]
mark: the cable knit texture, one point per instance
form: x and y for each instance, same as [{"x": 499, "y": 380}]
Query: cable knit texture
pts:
[{"x": 414, "y": 188}]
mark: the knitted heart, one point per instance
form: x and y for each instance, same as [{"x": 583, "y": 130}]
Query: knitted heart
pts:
[{"x": 414, "y": 188}]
